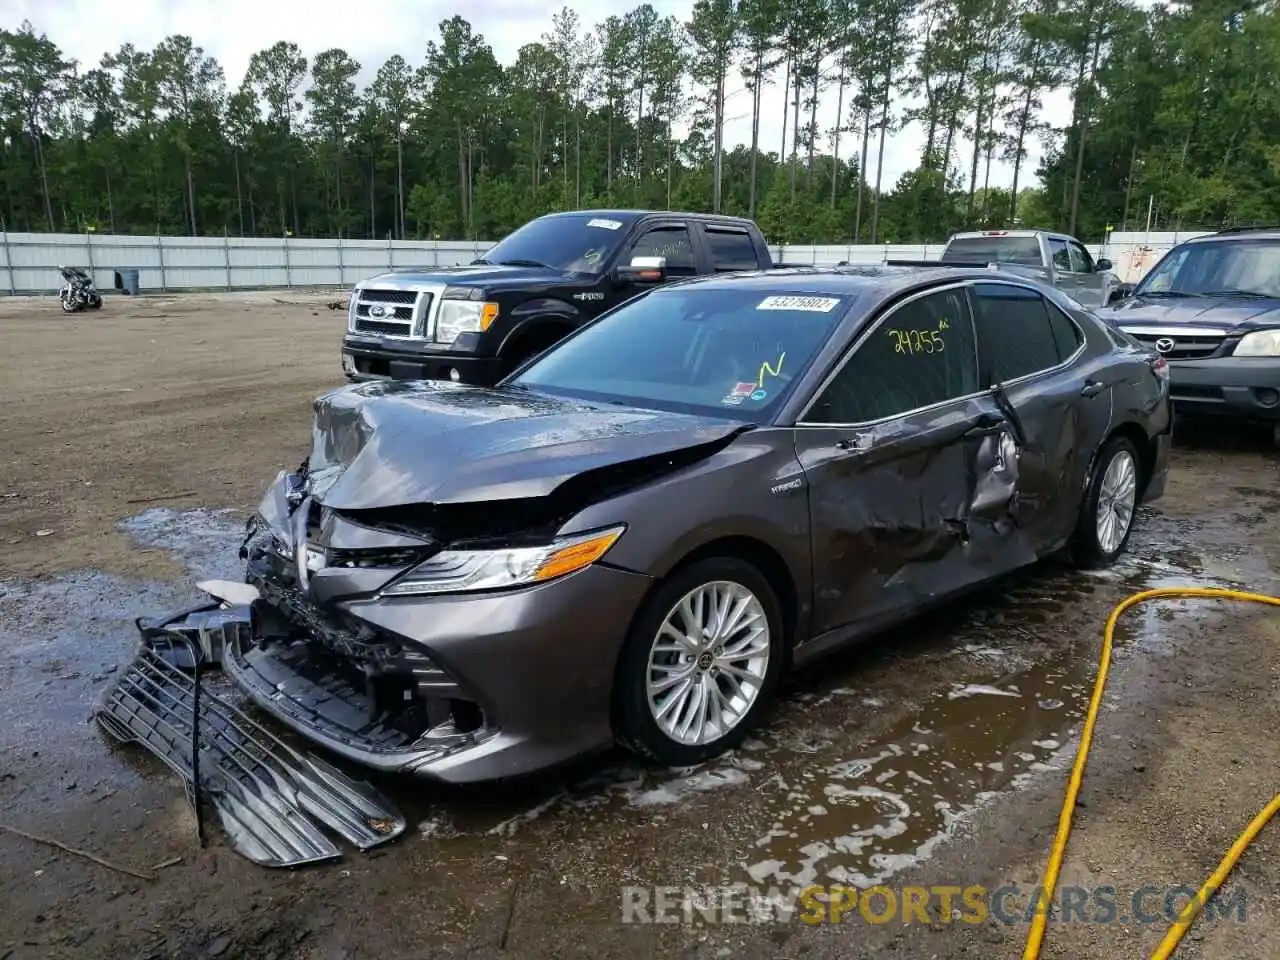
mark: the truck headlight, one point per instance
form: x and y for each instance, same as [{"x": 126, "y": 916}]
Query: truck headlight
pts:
[
  {"x": 464, "y": 571},
  {"x": 463, "y": 316},
  {"x": 1260, "y": 343}
]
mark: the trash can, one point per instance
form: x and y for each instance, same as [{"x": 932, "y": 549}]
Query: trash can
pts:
[{"x": 127, "y": 280}]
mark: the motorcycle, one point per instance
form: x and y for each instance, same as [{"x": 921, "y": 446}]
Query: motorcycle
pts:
[{"x": 78, "y": 292}]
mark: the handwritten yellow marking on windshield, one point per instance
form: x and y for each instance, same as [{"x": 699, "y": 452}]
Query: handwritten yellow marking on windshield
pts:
[
  {"x": 919, "y": 341},
  {"x": 771, "y": 370}
]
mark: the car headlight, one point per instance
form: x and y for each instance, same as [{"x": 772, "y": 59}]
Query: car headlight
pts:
[
  {"x": 1260, "y": 343},
  {"x": 463, "y": 316},
  {"x": 463, "y": 571}
]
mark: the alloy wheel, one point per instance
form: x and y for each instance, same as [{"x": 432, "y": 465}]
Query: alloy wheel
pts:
[
  {"x": 708, "y": 662},
  {"x": 1116, "y": 497}
]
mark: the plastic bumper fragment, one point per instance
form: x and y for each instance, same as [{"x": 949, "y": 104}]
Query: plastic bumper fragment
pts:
[{"x": 271, "y": 800}]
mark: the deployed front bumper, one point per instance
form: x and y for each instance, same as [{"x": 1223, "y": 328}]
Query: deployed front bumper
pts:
[
  {"x": 1244, "y": 388},
  {"x": 458, "y": 688}
]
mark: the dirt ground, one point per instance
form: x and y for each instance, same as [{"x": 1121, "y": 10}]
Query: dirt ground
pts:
[{"x": 934, "y": 756}]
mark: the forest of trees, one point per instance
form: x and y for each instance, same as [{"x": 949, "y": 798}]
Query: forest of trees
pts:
[{"x": 1178, "y": 103}]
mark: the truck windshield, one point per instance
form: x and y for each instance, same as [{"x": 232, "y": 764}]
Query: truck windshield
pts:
[
  {"x": 1243, "y": 268},
  {"x": 1024, "y": 250},
  {"x": 728, "y": 353},
  {"x": 577, "y": 244}
]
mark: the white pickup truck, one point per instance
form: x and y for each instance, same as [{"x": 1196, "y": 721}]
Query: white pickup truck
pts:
[{"x": 1053, "y": 258}]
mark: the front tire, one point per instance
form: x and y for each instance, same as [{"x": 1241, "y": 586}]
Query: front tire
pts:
[
  {"x": 700, "y": 662},
  {"x": 1106, "y": 518},
  {"x": 68, "y": 306}
]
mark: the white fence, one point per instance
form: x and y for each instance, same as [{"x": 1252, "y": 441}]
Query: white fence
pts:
[{"x": 30, "y": 260}]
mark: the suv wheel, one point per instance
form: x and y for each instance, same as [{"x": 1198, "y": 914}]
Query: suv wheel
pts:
[
  {"x": 1106, "y": 519},
  {"x": 700, "y": 661}
]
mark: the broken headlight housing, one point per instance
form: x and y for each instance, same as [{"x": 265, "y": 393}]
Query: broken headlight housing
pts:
[
  {"x": 1260, "y": 343},
  {"x": 463, "y": 310},
  {"x": 465, "y": 571}
]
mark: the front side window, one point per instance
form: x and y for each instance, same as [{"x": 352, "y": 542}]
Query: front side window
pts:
[
  {"x": 731, "y": 353},
  {"x": 672, "y": 243},
  {"x": 1241, "y": 268},
  {"x": 1060, "y": 254},
  {"x": 1081, "y": 261},
  {"x": 580, "y": 243},
  {"x": 920, "y": 355},
  {"x": 1015, "y": 334}
]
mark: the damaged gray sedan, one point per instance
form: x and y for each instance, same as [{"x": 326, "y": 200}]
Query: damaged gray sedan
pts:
[{"x": 632, "y": 537}]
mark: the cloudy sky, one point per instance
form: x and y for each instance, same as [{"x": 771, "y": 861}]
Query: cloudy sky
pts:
[{"x": 232, "y": 30}]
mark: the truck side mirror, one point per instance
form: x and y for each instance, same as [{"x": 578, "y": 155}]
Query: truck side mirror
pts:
[
  {"x": 1103, "y": 263},
  {"x": 643, "y": 270}
]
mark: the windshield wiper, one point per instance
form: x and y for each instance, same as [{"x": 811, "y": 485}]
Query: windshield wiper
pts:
[
  {"x": 1167, "y": 293},
  {"x": 524, "y": 263},
  {"x": 482, "y": 260},
  {"x": 1242, "y": 294}
]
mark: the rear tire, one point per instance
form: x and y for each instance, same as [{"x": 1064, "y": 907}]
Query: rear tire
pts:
[
  {"x": 1110, "y": 502},
  {"x": 700, "y": 663}
]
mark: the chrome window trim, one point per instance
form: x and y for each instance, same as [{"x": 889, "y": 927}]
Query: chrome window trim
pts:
[{"x": 966, "y": 284}]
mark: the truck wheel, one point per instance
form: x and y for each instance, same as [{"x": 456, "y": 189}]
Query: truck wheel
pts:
[{"x": 528, "y": 347}]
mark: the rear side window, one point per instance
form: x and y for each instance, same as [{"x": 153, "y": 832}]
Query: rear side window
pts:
[
  {"x": 1016, "y": 336},
  {"x": 1065, "y": 333},
  {"x": 731, "y": 250},
  {"x": 1060, "y": 254},
  {"x": 921, "y": 354}
]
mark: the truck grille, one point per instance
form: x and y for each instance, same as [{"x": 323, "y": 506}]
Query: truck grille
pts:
[
  {"x": 394, "y": 313},
  {"x": 1196, "y": 346}
]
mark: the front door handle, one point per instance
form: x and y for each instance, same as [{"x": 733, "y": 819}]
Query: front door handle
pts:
[{"x": 1092, "y": 388}]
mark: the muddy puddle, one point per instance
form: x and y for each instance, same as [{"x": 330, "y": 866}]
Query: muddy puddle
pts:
[{"x": 867, "y": 764}]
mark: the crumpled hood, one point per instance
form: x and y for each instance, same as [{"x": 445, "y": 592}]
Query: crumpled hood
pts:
[
  {"x": 1221, "y": 312},
  {"x": 395, "y": 442}
]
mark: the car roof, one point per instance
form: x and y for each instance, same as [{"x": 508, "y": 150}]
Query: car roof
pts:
[
  {"x": 881, "y": 280},
  {"x": 1238, "y": 233},
  {"x": 631, "y": 215}
]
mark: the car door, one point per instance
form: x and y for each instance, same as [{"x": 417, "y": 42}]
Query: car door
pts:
[
  {"x": 910, "y": 465},
  {"x": 1059, "y": 395}
]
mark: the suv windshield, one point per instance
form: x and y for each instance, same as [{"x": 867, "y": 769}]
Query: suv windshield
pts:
[
  {"x": 1219, "y": 268},
  {"x": 577, "y": 244},
  {"x": 730, "y": 353},
  {"x": 1024, "y": 250}
]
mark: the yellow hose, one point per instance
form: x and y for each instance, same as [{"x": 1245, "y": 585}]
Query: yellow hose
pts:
[{"x": 1171, "y": 939}]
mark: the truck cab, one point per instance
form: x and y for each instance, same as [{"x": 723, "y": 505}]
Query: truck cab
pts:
[
  {"x": 1060, "y": 260},
  {"x": 476, "y": 323}
]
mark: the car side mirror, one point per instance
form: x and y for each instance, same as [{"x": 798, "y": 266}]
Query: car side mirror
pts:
[
  {"x": 642, "y": 270},
  {"x": 1103, "y": 263}
]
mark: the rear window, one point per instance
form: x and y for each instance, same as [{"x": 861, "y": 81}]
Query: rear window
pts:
[
  {"x": 731, "y": 353},
  {"x": 1024, "y": 250}
]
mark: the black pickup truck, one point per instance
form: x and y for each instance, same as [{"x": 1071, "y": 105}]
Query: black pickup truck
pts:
[{"x": 476, "y": 323}]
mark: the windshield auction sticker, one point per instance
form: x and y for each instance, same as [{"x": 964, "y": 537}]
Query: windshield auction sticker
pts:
[
  {"x": 606, "y": 224},
  {"x": 811, "y": 304}
]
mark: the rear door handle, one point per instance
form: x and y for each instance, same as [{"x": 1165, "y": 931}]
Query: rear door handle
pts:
[{"x": 1092, "y": 388}]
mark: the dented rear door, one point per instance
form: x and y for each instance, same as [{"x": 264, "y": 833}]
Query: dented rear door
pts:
[{"x": 911, "y": 468}]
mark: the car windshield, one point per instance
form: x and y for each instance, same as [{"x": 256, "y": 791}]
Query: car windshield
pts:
[
  {"x": 1024, "y": 250},
  {"x": 1245, "y": 268},
  {"x": 730, "y": 353},
  {"x": 577, "y": 244}
]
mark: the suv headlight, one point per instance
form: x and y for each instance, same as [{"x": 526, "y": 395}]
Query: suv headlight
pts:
[
  {"x": 464, "y": 571},
  {"x": 1260, "y": 343},
  {"x": 463, "y": 316}
]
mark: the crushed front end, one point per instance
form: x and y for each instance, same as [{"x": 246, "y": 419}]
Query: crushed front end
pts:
[{"x": 457, "y": 687}]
